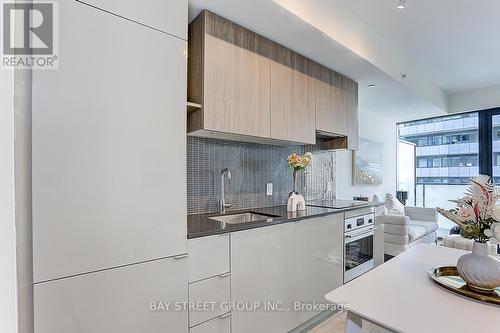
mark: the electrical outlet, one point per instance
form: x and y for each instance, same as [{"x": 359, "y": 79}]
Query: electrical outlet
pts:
[{"x": 269, "y": 189}]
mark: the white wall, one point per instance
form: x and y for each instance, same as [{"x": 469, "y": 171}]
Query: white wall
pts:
[
  {"x": 472, "y": 100},
  {"x": 8, "y": 298},
  {"x": 378, "y": 128}
]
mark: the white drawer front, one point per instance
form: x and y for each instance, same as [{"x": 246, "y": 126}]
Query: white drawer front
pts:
[
  {"x": 115, "y": 300},
  {"x": 208, "y": 256},
  {"x": 218, "y": 325},
  {"x": 217, "y": 290}
]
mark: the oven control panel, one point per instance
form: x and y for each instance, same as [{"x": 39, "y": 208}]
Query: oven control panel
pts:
[{"x": 357, "y": 222}]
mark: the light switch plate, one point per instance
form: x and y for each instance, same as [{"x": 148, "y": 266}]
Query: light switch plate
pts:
[{"x": 269, "y": 189}]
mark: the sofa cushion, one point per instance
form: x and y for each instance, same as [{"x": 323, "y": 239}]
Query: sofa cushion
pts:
[
  {"x": 397, "y": 239},
  {"x": 395, "y": 229},
  {"x": 429, "y": 226},
  {"x": 394, "y": 206},
  {"x": 422, "y": 213},
  {"x": 459, "y": 242},
  {"x": 415, "y": 232},
  {"x": 381, "y": 211}
]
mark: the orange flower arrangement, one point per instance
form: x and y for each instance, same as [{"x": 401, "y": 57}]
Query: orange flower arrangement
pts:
[{"x": 298, "y": 162}]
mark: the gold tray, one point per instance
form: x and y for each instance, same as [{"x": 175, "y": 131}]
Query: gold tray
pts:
[{"x": 448, "y": 278}]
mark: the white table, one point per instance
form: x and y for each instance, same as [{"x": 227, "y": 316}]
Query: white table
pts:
[{"x": 400, "y": 297}]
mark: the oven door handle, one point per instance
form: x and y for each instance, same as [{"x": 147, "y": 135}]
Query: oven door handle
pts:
[{"x": 350, "y": 237}]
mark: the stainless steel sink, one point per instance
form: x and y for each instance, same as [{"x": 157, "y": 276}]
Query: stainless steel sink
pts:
[{"x": 242, "y": 218}]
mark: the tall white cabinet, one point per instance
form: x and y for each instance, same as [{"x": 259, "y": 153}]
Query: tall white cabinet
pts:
[{"x": 109, "y": 169}]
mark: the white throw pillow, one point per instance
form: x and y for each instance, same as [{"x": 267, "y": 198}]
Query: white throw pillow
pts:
[
  {"x": 381, "y": 211},
  {"x": 394, "y": 206}
]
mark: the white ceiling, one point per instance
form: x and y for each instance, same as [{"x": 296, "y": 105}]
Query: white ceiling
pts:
[
  {"x": 373, "y": 42},
  {"x": 455, "y": 42}
]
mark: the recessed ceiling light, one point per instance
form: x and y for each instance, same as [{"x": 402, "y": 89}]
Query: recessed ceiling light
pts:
[
  {"x": 371, "y": 86},
  {"x": 401, "y": 4}
]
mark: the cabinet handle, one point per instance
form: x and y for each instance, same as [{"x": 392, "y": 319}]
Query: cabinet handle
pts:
[
  {"x": 181, "y": 256},
  {"x": 225, "y": 315},
  {"x": 224, "y": 275}
]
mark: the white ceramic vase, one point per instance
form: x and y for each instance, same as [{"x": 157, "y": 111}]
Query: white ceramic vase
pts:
[{"x": 480, "y": 270}]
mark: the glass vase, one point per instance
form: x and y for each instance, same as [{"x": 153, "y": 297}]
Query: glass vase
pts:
[{"x": 294, "y": 184}]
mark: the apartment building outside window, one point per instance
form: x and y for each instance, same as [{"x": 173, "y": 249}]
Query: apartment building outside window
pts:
[
  {"x": 446, "y": 157},
  {"x": 448, "y": 151}
]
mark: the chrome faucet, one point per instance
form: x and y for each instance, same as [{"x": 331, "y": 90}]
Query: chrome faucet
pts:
[{"x": 222, "y": 201}]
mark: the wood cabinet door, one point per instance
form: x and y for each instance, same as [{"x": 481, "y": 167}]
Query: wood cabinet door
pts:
[
  {"x": 352, "y": 115},
  {"x": 236, "y": 79},
  {"x": 293, "y": 114},
  {"x": 331, "y": 99}
]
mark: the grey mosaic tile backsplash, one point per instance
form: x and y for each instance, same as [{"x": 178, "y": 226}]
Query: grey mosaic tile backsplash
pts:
[{"x": 252, "y": 167}]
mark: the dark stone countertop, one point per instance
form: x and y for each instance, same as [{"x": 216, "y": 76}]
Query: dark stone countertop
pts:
[{"x": 200, "y": 225}]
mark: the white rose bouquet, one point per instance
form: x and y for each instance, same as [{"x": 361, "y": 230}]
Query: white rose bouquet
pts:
[{"x": 477, "y": 214}]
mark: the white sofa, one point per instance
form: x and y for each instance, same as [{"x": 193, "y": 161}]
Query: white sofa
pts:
[{"x": 417, "y": 225}]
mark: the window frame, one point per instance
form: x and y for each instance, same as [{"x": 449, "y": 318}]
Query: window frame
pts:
[
  {"x": 485, "y": 137},
  {"x": 486, "y": 141}
]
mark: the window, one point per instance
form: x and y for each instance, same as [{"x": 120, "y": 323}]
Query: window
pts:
[
  {"x": 422, "y": 142},
  {"x": 433, "y": 186},
  {"x": 470, "y": 160},
  {"x": 495, "y": 148},
  {"x": 437, "y": 140}
]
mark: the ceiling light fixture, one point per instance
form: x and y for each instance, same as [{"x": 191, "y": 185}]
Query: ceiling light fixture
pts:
[
  {"x": 401, "y": 4},
  {"x": 371, "y": 86}
]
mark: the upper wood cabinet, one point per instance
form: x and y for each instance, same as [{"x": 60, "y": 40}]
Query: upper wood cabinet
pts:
[
  {"x": 352, "y": 114},
  {"x": 331, "y": 101},
  {"x": 252, "y": 89},
  {"x": 292, "y": 96},
  {"x": 229, "y": 70}
]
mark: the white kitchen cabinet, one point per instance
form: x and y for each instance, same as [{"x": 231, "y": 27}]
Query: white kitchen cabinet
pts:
[
  {"x": 288, "y": 263},
  {"x": 109, "y": 147},
  {"x": 208, "y": 256},
  {"x": 169, "y": 16},
  {"x": 216, "y": 291},
  {"x": 116, "y": 300},
  {"x": 220, "y": 324}
]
